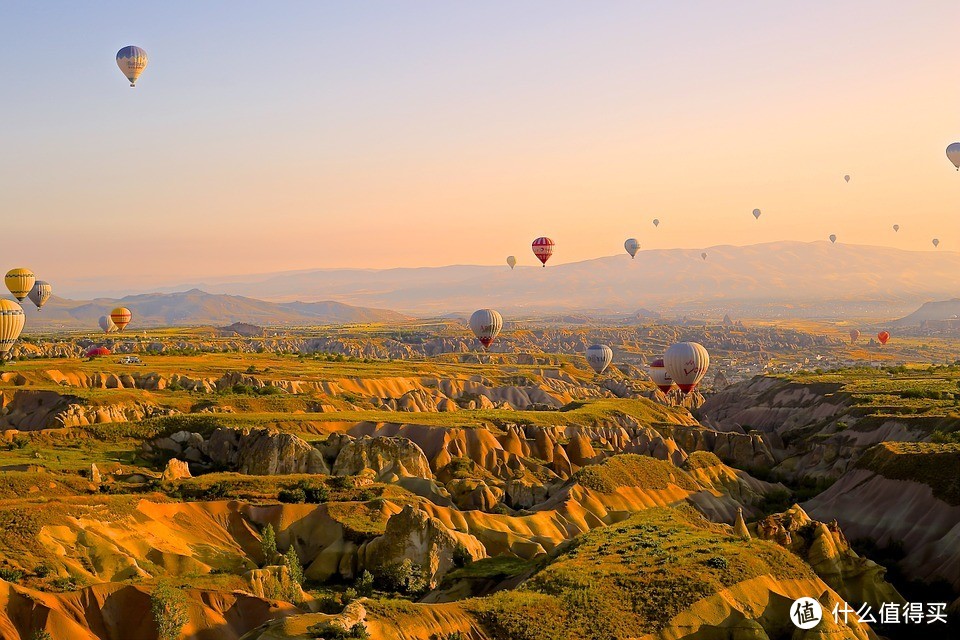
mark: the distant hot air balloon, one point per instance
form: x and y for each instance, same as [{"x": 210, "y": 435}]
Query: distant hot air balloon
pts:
[
  {"x": 543, "y": 249},
  {"x": 512, "y": 261},
  {"x": 19, "y": 282},
  {"x": 847, "y": 178},
  {"x": 40, "y": 293},
  {"x": 936, "y": 242},
  {"x": 486, "y": 325},
  {"x": 96, "y": 352},
  {"x": 599, "y": 357},
  {"x": 756, "y": 213},
  {"x": 121, "y": 317},
  {"x": 132, "y": 61},
  {"x": 11, "y": 324},
  {"x": 631, "y": 245},
  {"x": 883, "y": 336},
  {"x": 896, "y": 228},
  {"x": 659, "y": 375},
  {"x": 854, "y": 335},
  {"x": 106, "y": 324},
  {"x": 687, "y": 363},
  {"x": 704, "y": 255},
  {"x": 656, "y": 222},
  {"x": 953, "y": 153},
  {"x": 833, "y": 237}
]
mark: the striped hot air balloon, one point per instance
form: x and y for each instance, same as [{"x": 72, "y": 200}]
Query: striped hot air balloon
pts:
[
  {"x": 11, "y": 324},
  {"x": 121, "y": 317},
  {"x": 543, "y": 249},
  {"x": 632, "y": 245},
  {"x": 19, "y": 282},
  {"x": 132, "y": 61},
  {"x": 687, "y": 363},
  {"x": 486, "y": 325},
  {"x": 659, "y": 375},
  {"x": 883, "y": 336},
  {"x": 40, "y": 293},
  {"x": 599, "y": 357}
]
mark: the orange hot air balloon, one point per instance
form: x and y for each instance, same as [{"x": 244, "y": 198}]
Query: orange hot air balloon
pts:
[
  {"x": 543, "y": 249},
  {"x": 854, "y": 335},
  {"x": 121, "y": 317},
  {"x": 883, "y": 336}
]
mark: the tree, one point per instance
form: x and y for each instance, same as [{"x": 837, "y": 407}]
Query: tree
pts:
[
  {"x": 168, "y": 604},
  {"x": 292, "y": 560},
  {"x": 268, "y": 544}
]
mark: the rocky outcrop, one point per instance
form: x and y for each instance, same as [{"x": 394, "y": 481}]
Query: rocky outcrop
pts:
[
  {"x": 389, "y": 458},
  {"x": 175, "y": 470},
  {"x": 263, "y": 452}
]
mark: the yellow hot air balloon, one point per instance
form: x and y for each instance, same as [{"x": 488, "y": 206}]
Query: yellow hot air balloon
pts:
[
  {"x": 11, "y": 324},
  {"x": 19, "y": 282},
  {"x": 511, "y": 261},
  {"x": 132, "y": 61},
  {"x": 121, "y": 317}
]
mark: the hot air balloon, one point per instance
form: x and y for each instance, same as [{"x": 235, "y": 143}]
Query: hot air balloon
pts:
[
  {"x": 659, "y": 375},
  {"x": 11, "y": 324},
  {"x": 854, "y": 335},
  {"x": 512, "y": 261},
  {"x": 96, "y": 352},
  {"x": 847, "y": 178},
  {"x": 936, "y": 242},
  {"x": 543, "y": 249},
  {"x": 132, "y": 61},
  {"x": 631, "y": 245},
  {"x": 896, "y": 228},
  {"x": 833, "y": 237},
  {"x": 599, "y": 357},
  {"x": 106, "y": 324},
  {"x": 40, "y": 293},
  {"x": 486, "y": 325},
  {"x": 19, "y": 282},
  {"x": 704, "y": 255},
  {"x": 121, "y": 317},
  {"x": 756, "y": 213},
  {"x": 687, "y": 363},
  {"x": 953, "y": 153},
  {"x": 883, "y": 336},
  {"x": 656, "y": 222}
]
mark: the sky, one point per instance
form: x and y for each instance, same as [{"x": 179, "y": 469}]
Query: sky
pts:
[{"x": 266, "y": 137}]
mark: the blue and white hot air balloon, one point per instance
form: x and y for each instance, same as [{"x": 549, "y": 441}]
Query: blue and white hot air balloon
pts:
[{"x": 132, "y": 61}]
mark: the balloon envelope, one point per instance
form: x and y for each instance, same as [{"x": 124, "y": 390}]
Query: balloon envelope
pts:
[
  {"x": 94, "y": 352},
  {"x": 512, "y": 261},
  {"x": 106, "y": 324},
  {"x": 486, "y": 325},
  {"x": 599, "y": 357},
  {"x": 11, "y": 324},
  {"x": 756, "y": 213},
  {"x": 953, "y": 153},
  {"x": 833, "y": 237},
  {"x": 883, "y": 336},
  {"x": 121, "y": 317},
  {"x": 847, "y": 178},
  {"x": 656, "y": 222},
  {"x": 132, "y": 61},
  {"x": 704, "y": 255},
  {"x": 40, "y": 293},
  {"x": 543, "y": 249},
  {"x": 936, "y": 242},
  {"x": 660, "y": 376},
  {"x": 687, "y": 363},
  {"x": 896, "y": 227},
  {"x": 19, "y": 282},
  {"x": 854, "y": 335},
  {"x": 631, "y": 245}
]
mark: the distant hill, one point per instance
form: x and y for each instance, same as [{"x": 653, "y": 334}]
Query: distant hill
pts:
[
  {"x": 794, "y": 276},
  {"x": 196, "y": 307},
  {"x": 943, "y": 310}
]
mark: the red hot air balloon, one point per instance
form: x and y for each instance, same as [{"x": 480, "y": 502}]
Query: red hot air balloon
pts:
[
  {"x": 660, "y": 377},
  {"x": 543, "y": 249},
  {"x": 883, "y": 336},
  {"x": 96, "y": 352}
]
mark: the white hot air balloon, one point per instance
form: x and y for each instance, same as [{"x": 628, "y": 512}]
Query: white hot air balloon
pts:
[
  {"x": 833, "y": 237},
  {"x": 656, "y": 222},
  {"x": 704, "y": 255},
  {"x": 11, "y": 324},
  {"x": 599, "y": 357},
  {"x": 132, "y": 61},
  {"x": 512, "y": 261},
  {"x": 953, "y": 153},
  {"x": 896, "y": 228},
  {"x": 106, "y": 324},
  {"x": 632, "y": 245},
  {"x": 847, "y": 178},
  {"x": 659, "y": 375},
  {"x": 687, "y": 363},
  {"x": 486, "y": 325},
  {"x": 936, "y": 242},
  {"x": 40, "y": 293},
  {"x": 756, "y": 213}
]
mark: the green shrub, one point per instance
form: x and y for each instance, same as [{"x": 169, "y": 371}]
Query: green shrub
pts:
[
  {"x": 41, "y": 570},
  {"x": 10, "y": 575},
  {"x": 292, "y": 496},
  {"x": 403, "y": 577},
  {"x": 364, "y": 584},
  {"x": 315, "y": 494},
  {"x": 718, "y": 562},
  {"x": 268, "y": 545},
  {"x": 461, "y": 556},
  {"x": 168, "y": 605}
]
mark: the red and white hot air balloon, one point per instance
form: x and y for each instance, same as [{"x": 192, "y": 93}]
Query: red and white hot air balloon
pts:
[
  {"x": 687, "y": 363},
  {"x": 486, "y": 325},
  {"x": 659, "y": 375},
  {"x": 883, "y": 336},
  {"x": 543, "y": 249}
]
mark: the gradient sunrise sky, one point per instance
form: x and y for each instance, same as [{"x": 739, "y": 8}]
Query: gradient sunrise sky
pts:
[{"x": 267, "y": 136}]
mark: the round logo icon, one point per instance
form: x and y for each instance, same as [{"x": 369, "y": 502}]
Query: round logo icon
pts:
[{"x": 806, "y": 613}]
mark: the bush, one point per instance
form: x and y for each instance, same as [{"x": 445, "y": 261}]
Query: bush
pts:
[
  {"x": 315, "y": 494},
  {"x": 10, "y": 575},
  {"x": 718, "y": 562},
  {"x": 341, "y": 482},
  {"x": 41, "y": 634},
  {"x": 331, "y": 631},
  {"x": 292, "y": 496},
  {"x": 42, "y": 570},
  {"x": 403, "y": 577},
  {"x": 461, "y": 556},
  {"x": 364, "y": 584},
  {"x": 168, "y": 605},
  {"x": 217, "y": 491},
  {"x": 61, "y": 583},
  {"x": 268, "y": 390},
  {"x": 366, "y": 495}
]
